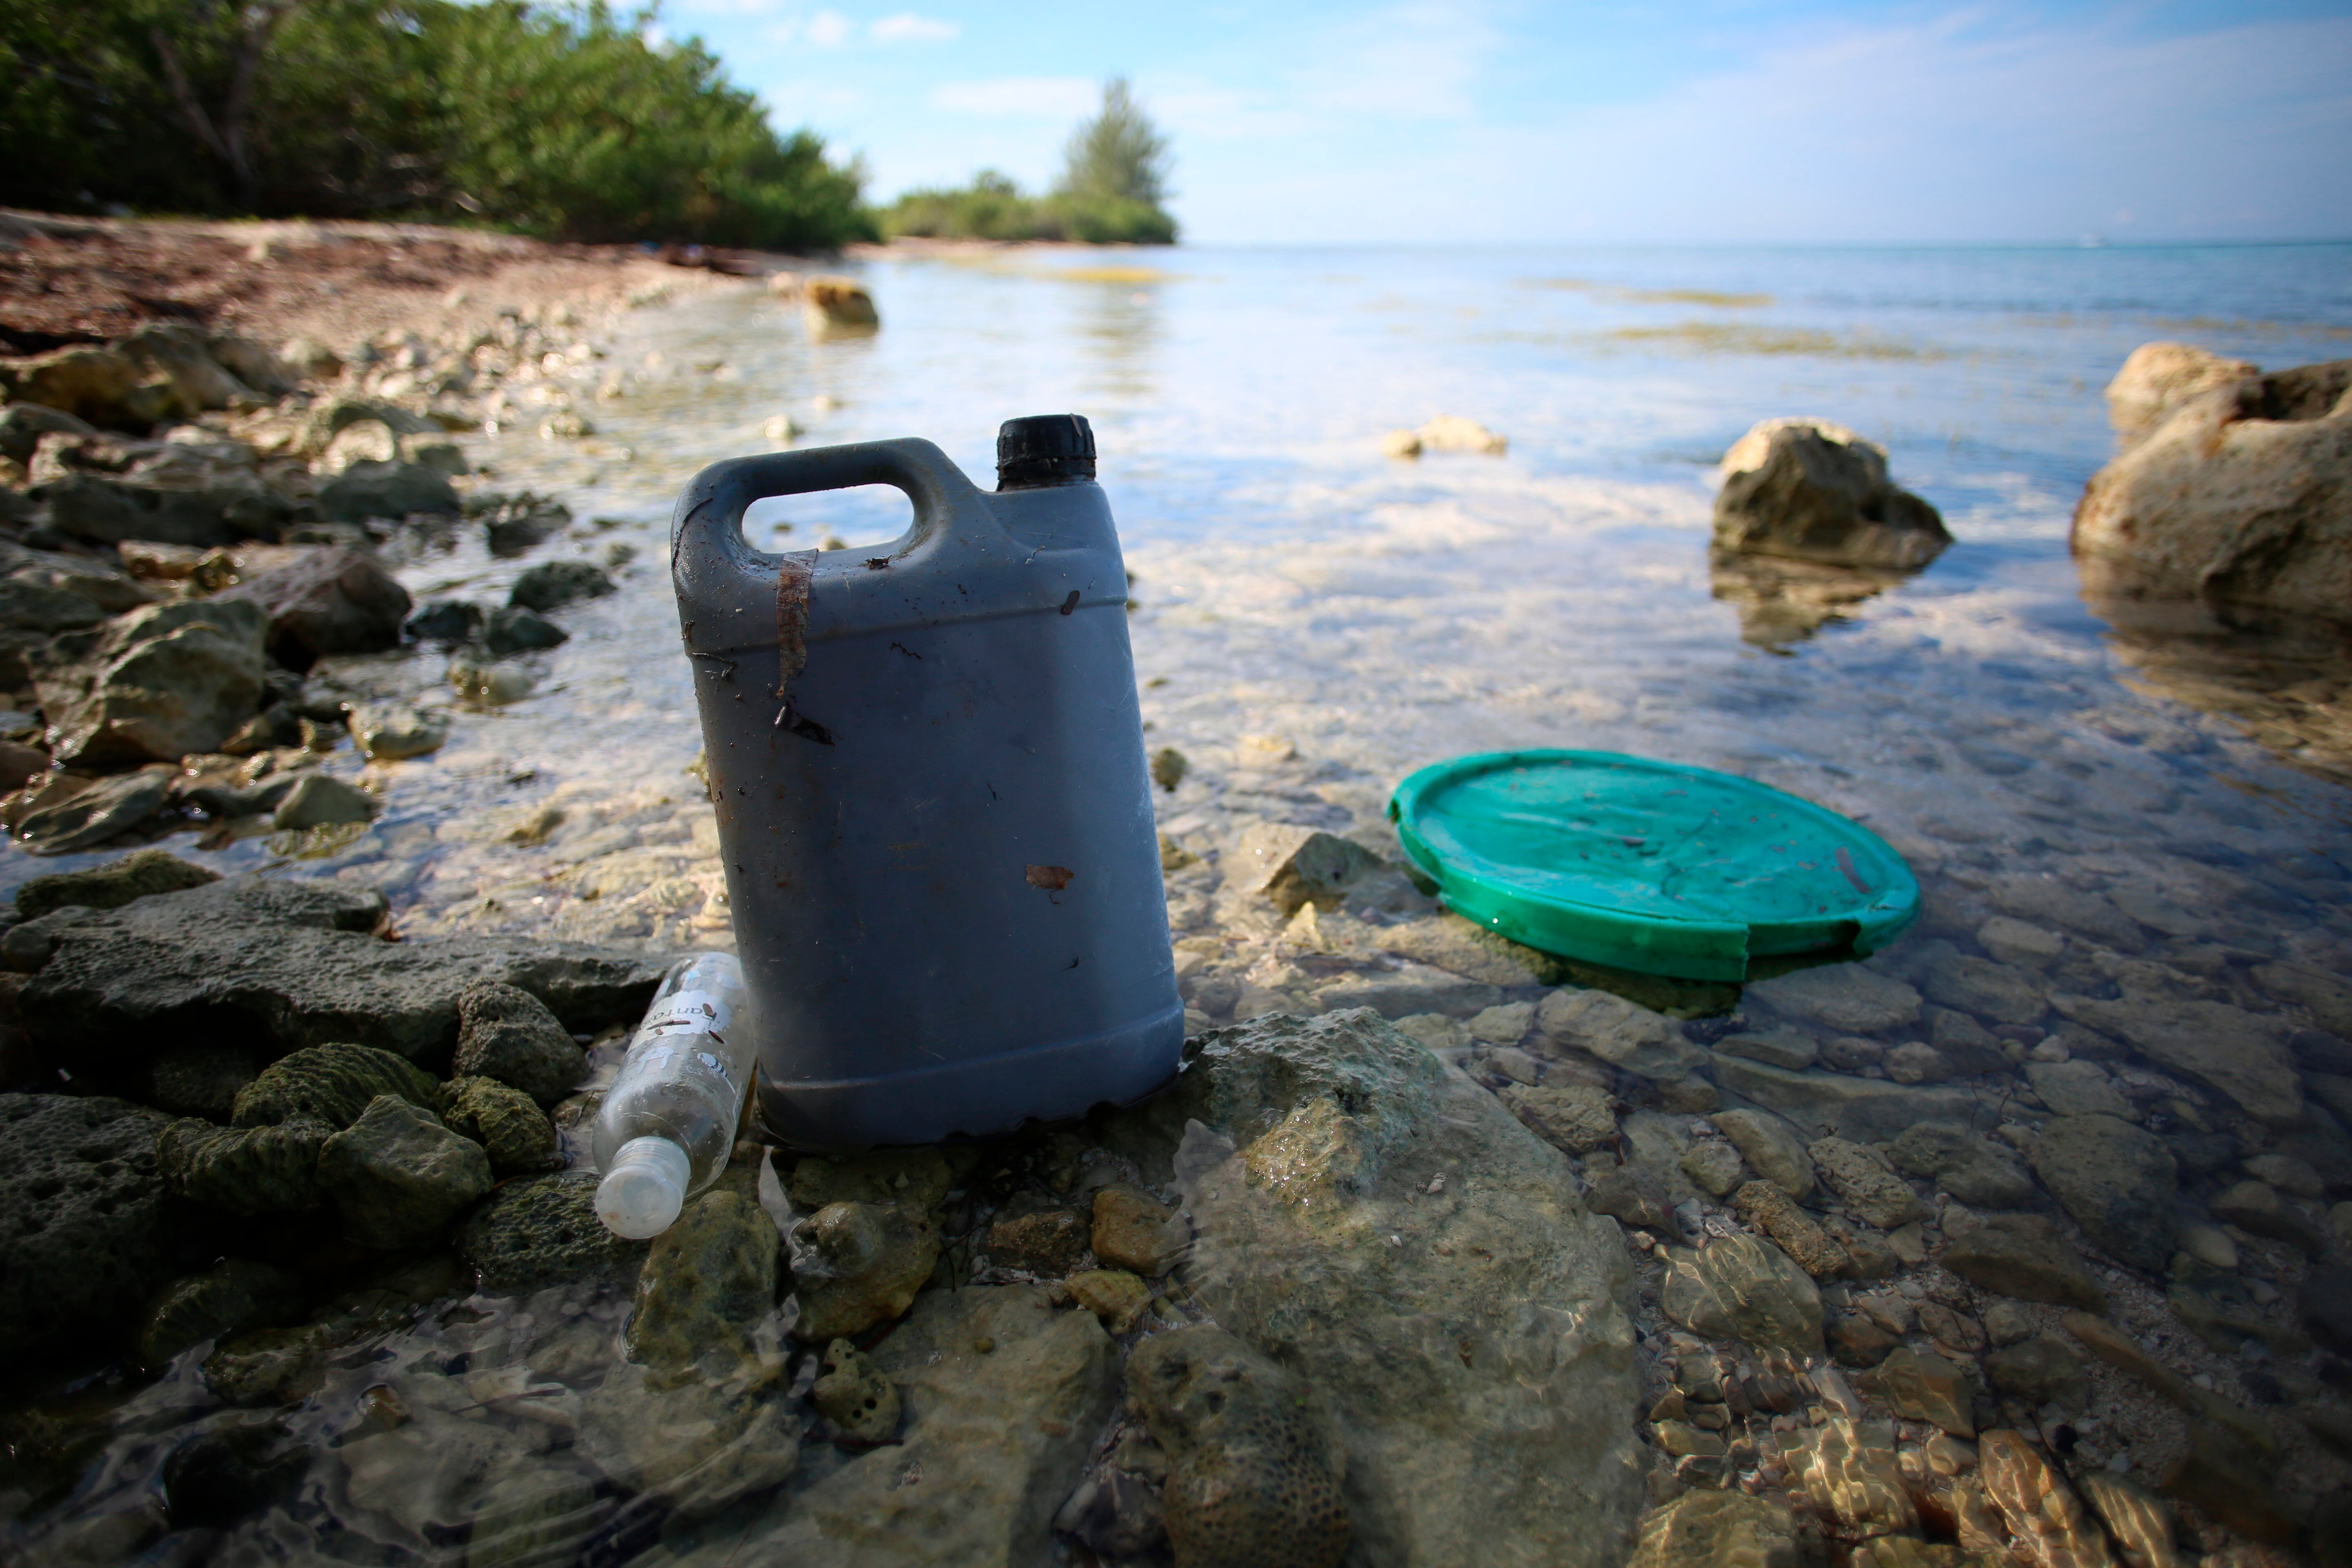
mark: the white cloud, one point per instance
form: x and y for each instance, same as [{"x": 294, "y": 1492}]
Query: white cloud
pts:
[
  {"x": 829, "y": 29},
  {"x": 907, "y": 27},
  {"x": 1023, "y": 96}
]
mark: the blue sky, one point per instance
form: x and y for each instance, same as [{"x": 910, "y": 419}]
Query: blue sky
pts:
[{"x": 1707, "y": 120}]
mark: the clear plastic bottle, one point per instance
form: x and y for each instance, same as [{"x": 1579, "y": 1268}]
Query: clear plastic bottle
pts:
[{"x": 668, "y": 1122}]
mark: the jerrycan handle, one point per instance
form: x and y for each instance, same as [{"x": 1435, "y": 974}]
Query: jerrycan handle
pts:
[{"x": 720, "y": 578}]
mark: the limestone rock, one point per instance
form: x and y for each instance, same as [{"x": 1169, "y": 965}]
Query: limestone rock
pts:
[
  {"x": 512, "y": 629},
  {"x": 1248, "y": 1465},
  {"x": 1632, "y": 1197},
  {"x": 1133, "y": 1232},
  {"x": 1447, "y": 941},
  {"x": 2256, "y": 1206},
  {"x": 1774, "y": 1213},
  {"x": 2001, "y": 992},
  {"x": 918, "y": 1177},
  {"x": 1791, "y": 1048},
  {"x": 1293, "y": 866},
  {"x": 199, "y": 1081},
  {"x": 1972, "y": 1169},
  {"x": 328, "y": 601},
  {"x": 697, "y": 1446},
  {"x": 1860, "y": 1177},
  {"x": 398, "y": 1176},
  {"x": 709, "y": 1281},
  {"x": 1714, "y": 1167},
  {"x": 80, "y": 817},
  {"x": 318, "y": 801},
  {"x": 155, "y": 684},
  {"x": 136, "y": 875},
  {"x": 541, "y": 1230},
  {"x": 507, "y": 1034},
  {"x": 1811, "y": 491},
  {"x": 1620, "y": 1032},
  {"x": 1771, "y": 1148},
  {"x": 2157, "y": 379},
  {"x": 1575, "y": 1120},
  {"x": 1718, "y": 1530},
  {"x": 196, "y": 510},
  {"x": 856, "y": 1265},
  {"x": 232, "y": 1295},
  {"x": 2078, "y": 1088},
  {"x": 2136, "y": 1519},
  {"x": 1444, "y": 433},
  {"x": 1863, "y": 1109},
  {"x": 1736, "y": 1286},
  {"x": 1406, "y": 991},
  {"x": 2236, "y": 502},
  {"x": 2022, "y": 1256},
  {"x": 552, "y": 585},
  {"x": 245, "y": 1170},
  {"x": 87, "y": 1234},
  {"x": 1921, "y": 1386},
  {"x": 830, "y": 303},
  {"x": 2117, "y": 1182},
  {"x": 2244, "y": 1055},
  {"x": 331, "y": 1083},
  {"x": 1316, "y": 1144},
  {"x": 2223, "y": 1478},
  {"x": 2047, "y": 1525},
  {"x": 386, "y": 489},
  {"x": 1848, "y": 1470},
  {"x": 289, "y": 964},
  {"x": 506, "y": 1122},
  {"x": 859, "y": 1404},
  {"x": 2040, "y": 1370},
  {"x": 1046, "y": 1241}
]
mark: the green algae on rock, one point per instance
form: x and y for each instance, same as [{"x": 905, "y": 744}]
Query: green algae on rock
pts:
[
  {"x": 397, "y": 1175},
  {"x": 244, "y": 1171},
  {"x": 506, "y": 1122},
  {"x": 709, "y": 1282},
  {"x": 332, "y": 1083},
  {"x": 856, "y": 1265},
  {"x": 537, "y": 1231}
]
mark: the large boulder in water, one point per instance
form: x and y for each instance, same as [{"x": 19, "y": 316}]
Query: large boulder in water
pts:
[
  {"x": 1383, "y": 1228},
  {"x": 2236, "y": 507},
  {"x": 154, "y": 685},
  {"x": 1810, "y": 490},
  {"x": 2158, "y": 378}
]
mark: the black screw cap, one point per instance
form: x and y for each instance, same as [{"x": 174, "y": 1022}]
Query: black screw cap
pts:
[{"x": 1044, "y": 449}]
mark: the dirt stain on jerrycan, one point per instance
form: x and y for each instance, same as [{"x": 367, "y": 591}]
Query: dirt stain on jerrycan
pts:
[{"x": 928, "y": 772}]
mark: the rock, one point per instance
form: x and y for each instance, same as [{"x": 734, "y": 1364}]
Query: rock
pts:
[
  {"x": 398, "y": 1176},
  {"x": 1868, "y": 1253},
  {"x": 1849, "y": 1471},
  {"x": 2015, "y": 941},
  {"x": 155, "y": 684},
  {"x": 541, "y": 1230},
  {"x": 331, "y": 1083},
  {"x": 284, "y": 964},
  {"x": 87, "y": 1234},
  {"x": 244, "y": 1171},
  {"x": 2255, "y": 1207},
  {"x": 328, "y": 601},
  {"x": 318, "y": 801},
  {"x": 180, "y": 354},
  {"x": 831, "y": 301},
  {"x": 1620, "y": 1032},
  {"x": 19, "y": 763},
  {"x": 1714, "y": 1167},
  {"x": 445, "y": 621},
  {"x": 1718, "y": 1530},
  {"x": 136, "y": 875},
  {"x": 2022, "y": 1256},
  {"x": 232, "y": 1295},
  {"x": 993, "y": 1441},
  {"x": 2157, "y": 379},
  {"x": 1771, "y": 1147},
  {"x": 2040, "y": 1371},
  {"x": 2136, "y": 1519},
  {"x": 695, "y": 1447},
  {"x": 506, "y": 1122},
  {"x": 1116, "y": 1515},
  {"x": 1791, "y": 1048},
  {"x": 507, "y": 1034},
  {"x": 2078, "y": 1088},
  {"x": 2117, "y": 1182},
  {"x": 1915, "y": 1062},
  {"x": 2225, "y": 1479},
  {"x": 1856, "y": 1340},
  {"x": 917, "y": 1177},
  {"x": 22, "y": 426},
  {"x": 2047, "y": 1526},
  {"x": 1736, "y": 1286},
  {"x": 1630, "y": 1195},
  {"x": 1863, "y": 1109},
  {"x": 1445, "y": 433},
  {"x": 2287, "y": 1174},
  {"x": 1774, "y": 1212},
  {"x": 1847, "y": 998},
  {"x": 1575, "y": 1120},
  {"x": 367, "y": 489},
  {"x": 1923, "y": 1386},
  {"x": 102, "y": 385},
  {"x": 2208, "y": 1245},
  {"x": 1990, "y": 990},
  {"x": 25, "y": 946},
  {"x": 2050, "y": 902},
  {"x": 203, "y": 511},
  {"x": 708, "y": 1282},
  {"x": 1974, "y": 1170},
  {"x": 2244, "y": 1055},
  {"x": 2232, "y": 503},
  {"x": 1810, "y": 490},
  {"x": 1321, "y": 1247},
  {"x": 1860, "y": 1177},
  {"x": 1406, "y": 991},
  {"x": 361, "y": 441},
  {"x": 90, "y": 817},
  {"x": 1293, "y": 866},
  {"x": 1463, "y": 947},
  {"x": 552, "y": 585},
  {"x": 860, "y": 1405},
  {"x": 2120, "y": 1351},
  {"x": 2327, "y": 1306},
  {"x": 1045, "y": 1241},
  {"x": 1113, "y": 1295},
  {"x": 510, "y": 629},
  {"x": 1133, "y": 1232},
  {"x": 1248, "y": 1465},
  {"x": 198, "y": 1080},
  {"x": 395, "y": 733},
  {"x": 856, "y": 1265}
]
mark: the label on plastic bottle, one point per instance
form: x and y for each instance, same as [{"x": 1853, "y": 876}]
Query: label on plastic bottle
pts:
[{"x": 687, "y": 1012}]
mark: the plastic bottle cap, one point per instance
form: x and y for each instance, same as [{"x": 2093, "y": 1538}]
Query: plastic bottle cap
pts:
[
  {"x": 641, "y": 1194},
  {"x": 1044, "y": 449}
]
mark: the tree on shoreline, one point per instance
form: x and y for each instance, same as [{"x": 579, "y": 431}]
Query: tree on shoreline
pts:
[
  {"x": 556, "y": 119},
  {"x": 1114, "y": 181}
]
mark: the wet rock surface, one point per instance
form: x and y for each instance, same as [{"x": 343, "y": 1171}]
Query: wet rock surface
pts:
[{"x": 89, "y": 1232}]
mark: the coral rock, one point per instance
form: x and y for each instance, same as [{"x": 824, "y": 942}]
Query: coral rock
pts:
[
  {"x": 507, "y": 1034},
  {"x": 856, "y": 1265},
  {"x": 245, "y": 1170},
  {"x": 331, "y": 1083}
]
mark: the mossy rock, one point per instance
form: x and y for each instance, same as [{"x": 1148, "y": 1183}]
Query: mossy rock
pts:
[
  {"x": 112, "y": 885},
  {"x": 536, "y": 1231},
  {"x": 332, "y": 1083}
]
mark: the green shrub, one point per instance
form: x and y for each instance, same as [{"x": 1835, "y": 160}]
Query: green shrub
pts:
[{"x": 1113, "y": 181}]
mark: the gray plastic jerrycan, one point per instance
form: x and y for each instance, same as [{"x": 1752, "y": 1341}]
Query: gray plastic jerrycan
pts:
[{"x": 927, "y": 761}]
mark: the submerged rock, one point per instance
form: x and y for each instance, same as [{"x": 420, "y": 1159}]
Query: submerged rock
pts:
[
  {"x": 856, "y": 1265},
  {"x": 232, "y": 1295},
  {"x": 1860, "y": 1177},
  {"x": 695, "y": 1447},
  {"x": 860, "y": 1405},
  {"x": 396, "y": 733},
  {"x": 1575, "y": 1120},
  {"x": 1465, "y": 1342},
  {"x": 1736, "y": 1286},
  {"x": 2117, "y": 1182},
  {"x": 1848, "y": 1470},
  {"x": 1972, "y": 1169},
  {"x": 85, "y": 818},
  {"x": 1293, "y": 865},
  {"x": 318, "y": 801},
  {"x": 709, "y": 1281},
  {"x": 2047, "y": 1525},
  {"x": 1133, "y": 1231},
  {"x": 155, "y": 684},
  {"x": 2022, "y": 1256},
  {"x": 1771, "y": 1147},
  {"x": 1623, "y": 1034},
  {"x": 1816, "y": 491},
  {"x": 2244, "y": 1055},
  {"x": 1249, "y": 1467},
  {"x": 88, "y": 1234},
  {"x": 1718, "y": 1530},
  {"x": 397, "y": 1175}
]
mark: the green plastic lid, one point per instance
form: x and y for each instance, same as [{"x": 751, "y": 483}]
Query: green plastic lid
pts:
[{"x": 1647, "y": 866}]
